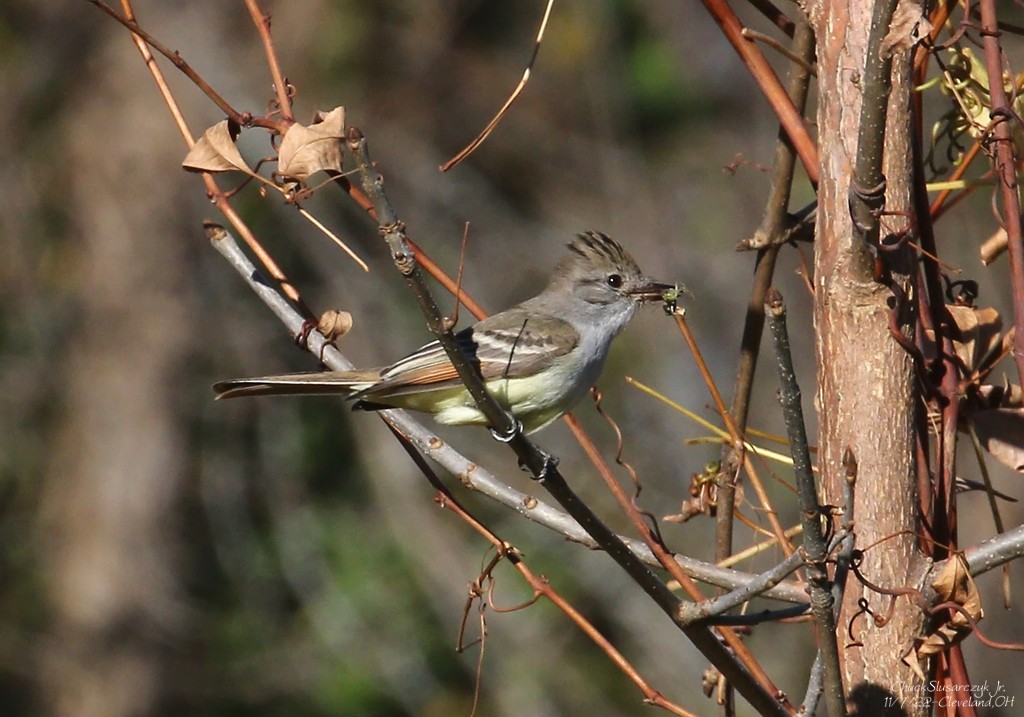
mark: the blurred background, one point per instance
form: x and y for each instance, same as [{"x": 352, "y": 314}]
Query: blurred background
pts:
[{"x": 161, "y": 554}]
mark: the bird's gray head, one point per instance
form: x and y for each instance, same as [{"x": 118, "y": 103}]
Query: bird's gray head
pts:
[
  {"x": 598, "y": 270},
  {"x": 601, "y": 282}
]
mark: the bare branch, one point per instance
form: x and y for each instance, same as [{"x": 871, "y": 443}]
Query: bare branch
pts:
[
  {"x": 767, "y": 703},
  {"x": 815, "y": 548}
]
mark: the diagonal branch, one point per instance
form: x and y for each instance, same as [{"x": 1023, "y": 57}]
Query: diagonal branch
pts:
[
  {"x": 767, "y": 703},
  {"x": 791, "y": 120},
  {"x": 541, "y": 586}
]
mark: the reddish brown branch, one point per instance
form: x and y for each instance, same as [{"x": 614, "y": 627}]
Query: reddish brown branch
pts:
[
  {"x": 665, "y": 558},
  {"x": 735, "y": 437},
  {"x": 1006, "y": 166},
  {"x": 987, "y": 642},
  {"x": 792, "y": 121},
  {"x": 262, "y": 22},
  {"x": 539, "y": 584},
  {"x": 243, "y": 119},
  {"x": 213, "y": 190}
]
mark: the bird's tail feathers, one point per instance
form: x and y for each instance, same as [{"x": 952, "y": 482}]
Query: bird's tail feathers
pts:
[{"x": 296, "y": 384}]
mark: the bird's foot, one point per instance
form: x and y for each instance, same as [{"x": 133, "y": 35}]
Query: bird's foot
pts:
[{"x": 515, "y": 430}]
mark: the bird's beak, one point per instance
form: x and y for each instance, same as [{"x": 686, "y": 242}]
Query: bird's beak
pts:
[{"x": 650, "y": 290}]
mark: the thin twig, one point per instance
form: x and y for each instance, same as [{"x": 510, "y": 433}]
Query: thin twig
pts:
[
  {"x": 213, "y": 190},
  {"x": 789, "y": 117},
  {"x": 815, "y": 686},
  {"x": 469, "y": 149},
  {"x": 776, "y": 16},
  {"x": 758, "y": 548},
  {"x": 772, "y": 222},
  {"x": 242, "y": 119},
  {"x": 1006, "y": 164},
  {"x": 698, "y": 612},
  {"x": 262, "y": 22},
  {"x": 667, "y": 561},
  {"x": 814, "y": 546},
  {"x": 735, "y": 437},
  {"x": 771, "y": 42}
]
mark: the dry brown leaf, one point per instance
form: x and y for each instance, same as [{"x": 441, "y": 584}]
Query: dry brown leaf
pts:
[
  {"x": 334, "y": 324},
  {"x": 1009, "y": 395},
  {"x": 979, "y": 335},
  {"x": 954, "y": 584},
  {"x": 1008, "y": 339},
  {"x": 308, "y": 149},
  {"x": 216, "y": 151},
  {"x": 1001, "y": 432},
  {"x": 908, "y": 27}
]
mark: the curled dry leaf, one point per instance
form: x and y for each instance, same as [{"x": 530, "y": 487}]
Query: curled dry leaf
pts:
[
  {"x": 308, "y": 149},
  {"x": 997, "y": 415},
  {"x": 908, "y": 27},
  {"x": 334, "y": 324},
  {"x": 954, "y": 584},
  {"x": 1001, "y": 432},
  {"x": 216, "y": 151},
  {"x": 976, "y": 338},
  {"x": 980, "y": 334}
]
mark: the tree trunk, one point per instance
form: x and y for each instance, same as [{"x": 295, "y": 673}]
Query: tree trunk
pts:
[{"x": 867, "y": 392}]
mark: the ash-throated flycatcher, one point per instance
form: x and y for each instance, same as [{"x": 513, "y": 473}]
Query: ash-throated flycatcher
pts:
[{"x": 538, "y": 358}]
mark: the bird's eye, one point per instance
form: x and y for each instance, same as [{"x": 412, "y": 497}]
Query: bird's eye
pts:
[{"x": 614, "y": 281}]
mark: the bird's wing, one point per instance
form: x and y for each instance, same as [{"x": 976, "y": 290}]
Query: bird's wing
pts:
[{"x": 536, "y": 340}]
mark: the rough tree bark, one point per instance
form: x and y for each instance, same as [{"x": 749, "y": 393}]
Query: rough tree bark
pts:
[{"x": 867, "y": 391}]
